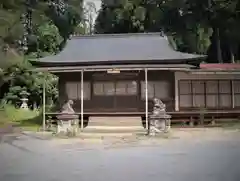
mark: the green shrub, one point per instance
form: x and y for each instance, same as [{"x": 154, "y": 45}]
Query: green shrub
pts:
[
  {"x": 16, "y": 115},
  {"x": 22, "y": 117}
]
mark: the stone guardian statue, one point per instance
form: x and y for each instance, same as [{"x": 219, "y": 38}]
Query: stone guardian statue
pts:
[{"x": 159, "y": 119}]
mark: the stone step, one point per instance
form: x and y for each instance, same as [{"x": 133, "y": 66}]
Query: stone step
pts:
[
  {"x": 113, "y": 126},
  {"x": 113, "y": 129},
  {"x": 114, "y": 121},
  {"x": 120, "y": 124},
  {"x": 97, "y": 135}
]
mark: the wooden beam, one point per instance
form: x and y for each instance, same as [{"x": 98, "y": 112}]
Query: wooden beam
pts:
[
  {"x": 121, "y": 69},
  {"x": 180, "y": 67}
]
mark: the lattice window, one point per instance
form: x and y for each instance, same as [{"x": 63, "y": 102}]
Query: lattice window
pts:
[
  {"x": 185, "y": 87},
  {"x": 185, "y": 101},
  {"x": 132, "y": 88},
  {"x": 73, "y": 90},
  {"x": 205, "y": 93},
  {"x": 159, "y": 89},
  {"x": 198, "y": 93},
  {"x": 115, "y": 88},
  {"x": 109, "y": 88},
  {"x": 236, "y": 85},
  {"x": 185, "y": 93},
  {"x": 162, "y": 89},
  {"x": 225, "y": 95}
]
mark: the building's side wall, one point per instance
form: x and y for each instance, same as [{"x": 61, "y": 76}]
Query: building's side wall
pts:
[
  {"x": 219, "y": 91},
  {"x": 160, "y": 84}
]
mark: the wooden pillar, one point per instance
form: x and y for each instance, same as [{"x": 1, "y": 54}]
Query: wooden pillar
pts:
[
  {"x": 176, "y": 92},
  {"x": 44, "y": 105},
  {"x": 146, "y": 98},
  {"x": 191, "y": 123},
  {"x": 232, "y": 94},
  {"x": 82, "y": 99}
]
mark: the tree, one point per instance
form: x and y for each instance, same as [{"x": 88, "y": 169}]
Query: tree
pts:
[
  {"x": 208, "y": 26},
  {"x": 37, "y": 12},
  {"x": 65, "y": 16},
  {"x": 49, "y": 25},
  {"x": 47, "y": 40},
  {"x": 19, "y": 78},
  {"x": 154, "y": 16}
]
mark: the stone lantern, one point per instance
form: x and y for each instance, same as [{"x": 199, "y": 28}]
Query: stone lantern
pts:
[{"x": 24, "y": 99}]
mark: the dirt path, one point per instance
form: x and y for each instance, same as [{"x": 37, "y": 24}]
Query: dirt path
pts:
[
  {"x": 8, "y": 129},
  {"x": 188, "y": 154},
  {"x": 181, "y": 135}
]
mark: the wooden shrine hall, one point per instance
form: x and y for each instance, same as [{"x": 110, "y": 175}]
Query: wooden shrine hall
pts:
[{"x": 107, "y": 75}]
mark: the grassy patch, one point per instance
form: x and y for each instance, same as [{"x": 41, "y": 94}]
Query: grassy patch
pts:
[
  {"x": 3, "y": 118},
  {"x": 23, "y": 118}
]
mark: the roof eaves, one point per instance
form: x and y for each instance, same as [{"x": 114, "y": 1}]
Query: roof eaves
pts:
[{"x": 117, "y": 35}]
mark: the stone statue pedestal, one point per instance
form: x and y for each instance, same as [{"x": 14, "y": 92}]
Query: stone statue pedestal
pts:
[
  {"x": 67, "y": 124},
  {"x": 159, "y": 124},
  {"x": 68, "y": 121}
]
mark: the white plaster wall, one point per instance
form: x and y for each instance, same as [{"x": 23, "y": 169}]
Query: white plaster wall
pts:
[{"x": 192, "y": 76}]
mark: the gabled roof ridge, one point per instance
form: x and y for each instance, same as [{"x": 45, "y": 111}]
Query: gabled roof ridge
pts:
[{"x": 118, "y": 35}]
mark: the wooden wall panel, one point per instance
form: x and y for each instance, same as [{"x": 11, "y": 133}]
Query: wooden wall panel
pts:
[{"x": 120, "y": 102}]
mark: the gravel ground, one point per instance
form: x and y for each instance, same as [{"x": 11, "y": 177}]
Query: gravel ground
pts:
[{"x": 195, "y": 154}]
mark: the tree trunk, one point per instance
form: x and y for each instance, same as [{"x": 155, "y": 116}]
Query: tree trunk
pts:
[
  {"x": 231, "y": 54},
  {"x": 218, "y": 44}
]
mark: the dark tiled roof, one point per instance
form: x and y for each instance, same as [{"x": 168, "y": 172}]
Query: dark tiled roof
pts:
[{"x": 118, "y": 47}]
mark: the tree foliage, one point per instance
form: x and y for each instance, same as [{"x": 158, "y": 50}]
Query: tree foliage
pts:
[
  {"x": 56, "y": 18},
  {"x": 208, "y": 26},
  {"x": 47, "y": 40},
  {"x": 67, "y": 17},
  {"x": 21, "y": 77},
  {"x": 52, "y": 23}
]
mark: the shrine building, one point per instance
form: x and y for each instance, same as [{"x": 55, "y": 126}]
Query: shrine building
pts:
[{"x": 106, "y": 75}]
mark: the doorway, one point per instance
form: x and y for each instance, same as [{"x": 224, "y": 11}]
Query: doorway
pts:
[{"x": 115, "y": 94}]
